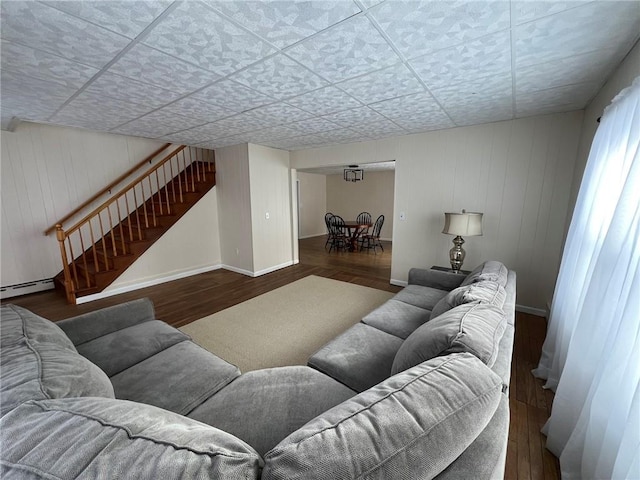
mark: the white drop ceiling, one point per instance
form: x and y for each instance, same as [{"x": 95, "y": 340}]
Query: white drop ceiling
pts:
[{"x": 302, "y": 74}]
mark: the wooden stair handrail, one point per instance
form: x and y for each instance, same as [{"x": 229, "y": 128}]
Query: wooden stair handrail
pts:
[
  {"x": 148, "y": 158},
  {"x": 122, "y": 191},
  {"x": 113, "y": 229}
]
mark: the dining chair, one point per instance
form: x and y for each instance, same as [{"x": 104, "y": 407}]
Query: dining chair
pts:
[
  {"x": 339, "y": 239},
  {"x": 327, "y": 221},
  {"x": 364, "y": 217},
  {"x": 373, "y": 239}
]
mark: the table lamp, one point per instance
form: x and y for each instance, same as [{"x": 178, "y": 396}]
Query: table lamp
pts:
[{"x": 458, "y": 224}]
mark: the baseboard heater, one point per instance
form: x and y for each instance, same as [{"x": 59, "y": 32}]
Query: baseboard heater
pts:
[{"x": 26, "y": 288}]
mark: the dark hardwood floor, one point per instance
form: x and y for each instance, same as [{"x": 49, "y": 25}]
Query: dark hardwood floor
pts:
[{"x": 183, "y": 301}]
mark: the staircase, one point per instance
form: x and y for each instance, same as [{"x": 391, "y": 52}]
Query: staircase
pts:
[{"x": 116, "y": 233}]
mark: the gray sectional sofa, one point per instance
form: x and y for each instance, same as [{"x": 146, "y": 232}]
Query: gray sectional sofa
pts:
[{"x": 417, "y": 390}]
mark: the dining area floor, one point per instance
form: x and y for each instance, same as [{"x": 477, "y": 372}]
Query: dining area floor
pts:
[{"x": 312, "y": 251}]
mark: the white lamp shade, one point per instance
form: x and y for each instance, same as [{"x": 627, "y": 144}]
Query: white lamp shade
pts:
[{"x": 464, "y": 224}]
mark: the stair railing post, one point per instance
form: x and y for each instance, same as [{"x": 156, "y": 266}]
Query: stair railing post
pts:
[{"x": 68, "y": 282}]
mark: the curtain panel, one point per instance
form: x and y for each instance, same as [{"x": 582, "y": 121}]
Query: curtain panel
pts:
[{"x": 591, "y": 355}]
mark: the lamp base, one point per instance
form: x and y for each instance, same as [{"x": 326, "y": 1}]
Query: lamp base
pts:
[{"x": 456, "y": 254}]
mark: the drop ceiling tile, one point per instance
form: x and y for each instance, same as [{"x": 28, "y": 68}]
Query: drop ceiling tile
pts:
[
  {"x": 379, "y": 128},
  {"x": 159, "y": 123},
  {"x": 30, "y": 98},
  {"x": 210, "y": 131},
  {"x": 401, "y": 107},
  {"x": 272, "y": 133},
  {"x": 44, "y": 28},
  {"x": 576, "y": 31},
  {"x": 157, "y": 68},
  {"x": 129, "y": 90},
  {"x": 195, "y": 33},
  {"x": 487, "y": 88},
  {"x": 237, "y": 124},
  {"x": 44, "y": 66},
  {"x": 184, "y": 138},
  {"x": 128, "y": 18},
  {"x": 91, "y": 111},
  {"x": 478, "y": 111},
  {"x": 370, "y": 3},
  {"x": 341, "y": 135},
  {"x": 324, "y": 101},
  {"x": 279, "y": 77},
  {"x": 391, "y": 82},
  {"x": 588, "y": 67},
  {"x": 311, "y": 125},
  {"x": 523, "y": 11},
  {"x": 422, "y": 122},
  {"x": 285, "y": 22},
  {"x": 476, "y": 58},
  {"x": 577, "y": 95},
  {"x": 354, "y": 116},
  {"x": 420, "y": 27},
  {"x": 200, "y": 112},
  {"x": 223, "y": 142},
  {"x": 232, "y": 96},
  {"x": 349, "y": 49},
  {"x": 277, "y": 113},
  {"x": 532, "y": 109}
]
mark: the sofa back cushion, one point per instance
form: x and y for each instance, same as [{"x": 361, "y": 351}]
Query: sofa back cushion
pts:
[
  {"x": 88, "y": 438},
  {"x": 418, "y": 421},
  {"x": 490, "y": 270},
  {"x": 479, "y": 292},
  {"x": 18, "y": 323},
  {"x": 37, "y": 364},
  {"x": 475, "y": 328}
]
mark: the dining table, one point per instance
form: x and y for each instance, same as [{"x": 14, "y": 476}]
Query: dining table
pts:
[{"x": 355, "y": 229}]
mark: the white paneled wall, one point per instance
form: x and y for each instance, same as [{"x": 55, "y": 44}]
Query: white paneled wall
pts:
[
  {"x": 234, "y": 207},
  {"x": 518, "y": 173},
  {"x": 270, "y": 197},
  {"x": 313, "y": 204},
  {"x": 374, "y": 195},
  {"x": 46, "y": 172}
]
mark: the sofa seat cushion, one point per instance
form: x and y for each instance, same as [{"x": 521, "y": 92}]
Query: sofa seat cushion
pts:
[
  {"x": 132, "y": 345},
  {"x": 360, "y": 358},
  {"x": 481, "y": 292},
  {"x": 475, "y": 328},
  {"x": 419, "y": 296},
  {"x": 18, "y": 323},
  {"x": 263, "y": 407},
  {"x": 397, "y": 318},
  {"x": 89, "y": 438},
  {"x": 420, "y": 420},
  {"x": 491, "y": 271},
  {"x": 177, "y": 379}
]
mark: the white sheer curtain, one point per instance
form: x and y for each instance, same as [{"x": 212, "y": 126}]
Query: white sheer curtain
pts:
[{"x": 591, "y": 356}]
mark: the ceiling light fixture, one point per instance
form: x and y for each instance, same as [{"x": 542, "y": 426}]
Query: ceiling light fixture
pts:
[{"x": 353, "y": 174}]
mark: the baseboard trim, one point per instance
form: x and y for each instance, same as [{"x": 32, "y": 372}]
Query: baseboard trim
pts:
[
  {"x": 398, "y": 283},
  {"x": 241, "y": 271},
  {"x": 313, "y": 236},
  {"x": 147, "y": 283},
  {"x": 26, "y": 288},
  {"x": 273, "y": 269},
  {"x": 539, "y": 312}
]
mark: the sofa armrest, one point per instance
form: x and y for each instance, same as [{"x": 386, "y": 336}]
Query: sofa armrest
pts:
[
  {"x": 89, "y": 326},
  {"x": 435, "y": 278}
]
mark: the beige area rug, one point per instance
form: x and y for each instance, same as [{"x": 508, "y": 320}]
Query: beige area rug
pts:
[{"x": 287, "y": 325}]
